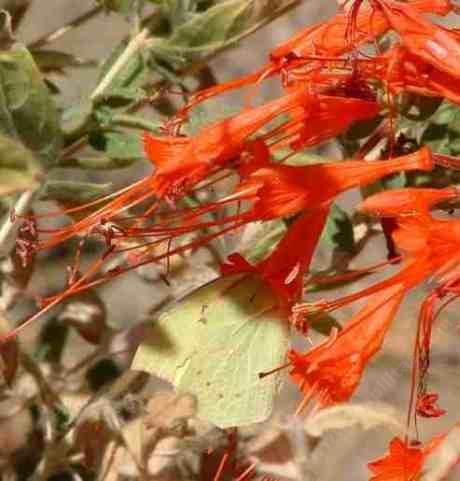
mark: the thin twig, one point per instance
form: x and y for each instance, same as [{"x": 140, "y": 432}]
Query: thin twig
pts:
[
  {"x": 73, "y": 148},
  {"x": 55, "y": 34},
  {"x": 131, "y": 121}
]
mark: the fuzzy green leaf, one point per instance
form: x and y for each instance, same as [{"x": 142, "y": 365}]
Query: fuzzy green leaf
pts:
[
  {"x": 117, "y": 145},
  {"x": 338, "y": 231},
  {"x": 27, "y": 111},
  {"x": 55, "y": 61},
  {"x": 130, "y": 77},
  {"x": 19, "y": 169},
  {"x": 205, "y": 31},
  {"x": 76, "y": 117}
]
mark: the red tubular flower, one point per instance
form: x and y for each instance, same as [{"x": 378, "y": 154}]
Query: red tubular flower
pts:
[
  {"x": 181, "y": 163},
  {"x": 430, "y": 250},
  {"x": 278, "y": 191},
  {"x": 331, "y": 371},
  {"x": 332, "y": 116},
  {"x": 284, "y": 269},
  {"x": 405, "y": 463},
  {"x": 184, "y": 161},
  {"x": 327, "y": 39},
  {"x": 426, "y": 243},
  {"x": 402, "y": 463},
  {"x": 331, "y": 38},
  {"x": 421, "y": 37},
  {"x": 406, "y": 201},
  {"x": 403, "y": 71}
]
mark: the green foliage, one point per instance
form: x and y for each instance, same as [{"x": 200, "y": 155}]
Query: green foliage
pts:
[
  {"x": 120, "y": 6},
  {"x": 127, "y": 84},
  {"x": 117, "y": 145},
  {"x": 27, "y": 111},
  {"x": 203, "y": 32},
  {"x": 56, "y": 61},
  {"x": 19, "y": 168},
  {"x": 338, "y": 231},
  {"x": 442, "y": 133}
]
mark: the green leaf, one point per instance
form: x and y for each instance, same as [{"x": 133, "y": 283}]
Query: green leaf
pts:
[
  {"x": 395, "y": 181},
  {"x": 130, "y": 77},
  {"x": 215, "y": 343},
  {"x": 27, "y": 111},
  {"x": 436, "y": 136},
  {"x": 338, "y": 231},
  {"x": 304, "y": 158},
  {"x": 363, "y": 128},
  {"x": 419, "y": 107},
  {"x": 76, "y": 118},
  {"x": 443, "y": 131},
  {"x": 73, "y": 191},
  {"x": 124, "y": 95},
  {"x": 19, "y": 170},
  {"x": 345, "y": 416},
  {"x": 55, "y": 61},
  {"x": 120, "y": 6},
  {"x": 117, "y": 145},
  {"x": 206, "y": 31}
]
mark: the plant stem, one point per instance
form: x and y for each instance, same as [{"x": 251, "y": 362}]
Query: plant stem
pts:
[
  {"x": 9, "y": 228},
  {"x": 131, "y": 49},
  {"x": 125, "y": 120},
  {"x": 54, "y": 35}
]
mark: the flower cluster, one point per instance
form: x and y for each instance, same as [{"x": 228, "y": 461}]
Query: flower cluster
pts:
[{"x": 327, "y": 86}]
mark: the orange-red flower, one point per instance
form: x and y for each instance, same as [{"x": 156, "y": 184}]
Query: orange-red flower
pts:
[
  {"x": 424, "y": 39},
  {"x": 430, "y": 249},
  {"x": 321, "y": 42},
  {"x": 284, "y": 269},
  {"x": 332, "y": 38},
  {"x": 182, "y": 162},
  {"x": 277, "y": 191},
  {"x": 331, "y": 371},
  {"x": 408, "y": 463},
  {"x": 402, "y": 463}
]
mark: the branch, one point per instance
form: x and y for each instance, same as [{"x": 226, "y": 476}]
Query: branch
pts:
[{"x": 55, "y": 34}]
